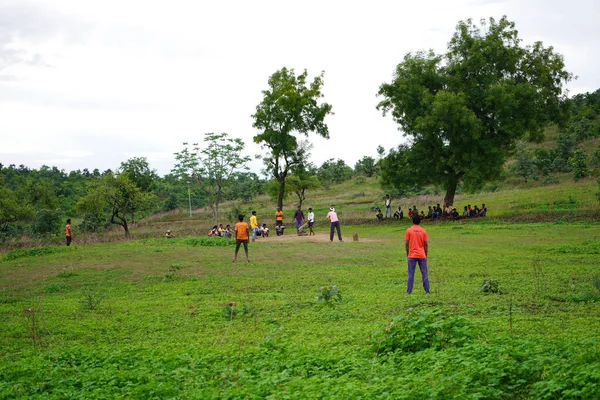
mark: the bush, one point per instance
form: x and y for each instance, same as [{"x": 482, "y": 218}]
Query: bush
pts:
[
  {"x": 416, "y": 331},
  {"x": 489, "y": 286},
  {"x": 47, "y": 221}
]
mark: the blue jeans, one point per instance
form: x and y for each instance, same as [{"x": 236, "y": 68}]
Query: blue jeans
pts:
[
  {"x": 388, "y": 209},
  {"x": 254, "y": 231},
  {"x": 335, "y": 226},
  {"x": 412, "y": 265},
  {"x": 298, "y": 225}
]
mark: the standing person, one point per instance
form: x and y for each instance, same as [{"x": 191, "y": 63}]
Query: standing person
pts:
[
  {"x": 388, "y": 205},
  {"x": 242, "y": 232},
  {"x": 68, "y": 232},
  {"x": 335, "y": 224},
  {"x": 311, "y": 221},
  {"x": 254, "y": 225},
  {"x": 299, "y": 217},
  {"x": 417, "y": 245},
  {"x": 278, "y": 218}
]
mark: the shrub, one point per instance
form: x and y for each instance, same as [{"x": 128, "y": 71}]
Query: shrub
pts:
[
  {"x": 47, "y": 221},
  {"x": 329, "y": 294},
  {"x": 420, "y": 330},
  {"x": 489, "y": 286}
]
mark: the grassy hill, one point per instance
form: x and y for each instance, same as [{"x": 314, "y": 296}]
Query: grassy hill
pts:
[{"x": 514, "y": 311}]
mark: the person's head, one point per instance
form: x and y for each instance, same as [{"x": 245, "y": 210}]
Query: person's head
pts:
[
  {"x": 215, "y": 227},
  {"x": 332, "y": 209},
  {"x": 220, "y": 225},
  {"x": 278, "y": 208},
  {"x": 482, "y": 205},
  {"x": 69, "y": 221},
  {"x": 387, "y": 196},
  {"x": 310, "y": 209},
  {"x": 227, "y": 226},
  {"x": 264, "y": 225},
  {"x": 414, "y": 207},
  {"x": 168, "y": 231},
  {"x": 240, "y": 217},
  {"x": 465, "y": 207},
  {"x": 299, "y": 207},
  {"x": 410, "y": 209},
  {"x": 253, "y": 212},
  {"x": 416, "y": 219},
  {"x": 469, "y": 205}
]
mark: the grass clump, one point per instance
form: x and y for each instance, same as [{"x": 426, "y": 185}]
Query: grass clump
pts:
[{"x": 33, "y": 252}]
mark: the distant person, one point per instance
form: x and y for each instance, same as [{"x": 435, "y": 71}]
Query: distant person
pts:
[
  {"x": 254, "y": 225},
  {"x": 299, "y": 218},
  {"x": 399, "y": 214},
  {"x": 169, "y": 235},
  {"x": 227, "y": 232},
  {"x": 68, "y": 232},
  {"x": 278, "y": 217},
  {"x": 379, "y": 215},
  {"x": 214, "y": 231},
  {"x": 221, "y": 229},
  {"x": 410, "y": 213},
  {"x": 335, "y": 224},
  {"x": 311, "y": 221},
  {"x": 483, "y": 210},
  {"x": 466, "y": 212},
  {"x": 417, "y": 245},
  {"x": 388, "y": 205},
  {"x": 264, "y": 231},
  {"x": 241, "y": 232}
]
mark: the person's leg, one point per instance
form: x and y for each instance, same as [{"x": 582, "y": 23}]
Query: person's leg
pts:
[
  {"x": 237, "y": 248},
  {"x": 339, "y": 232},
  {"x": 387, "y": 210},
  {"x": 424, "y": 273},
  {"x": 412, "y": 265},
  {"x": 68, "y": 240},
  {"x": 331, "y": 229},
  {"x": 246, "y": 249}
]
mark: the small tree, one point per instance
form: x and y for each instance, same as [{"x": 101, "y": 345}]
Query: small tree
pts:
[
  {"x": 524, "y": 166},
  {"x": 211, "y": 167},
  {"x": 138, "y": 171},
  {"x": 302, "y": 181},
  {"x": 366, "y": 166},
  {"x": 578, "y": 165}
]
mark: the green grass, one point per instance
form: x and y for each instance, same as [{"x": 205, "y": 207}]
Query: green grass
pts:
[{"x": 159, "y": 318}]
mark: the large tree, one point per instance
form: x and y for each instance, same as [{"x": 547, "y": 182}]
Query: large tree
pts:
[
  {"x": 138, "y": 171},
  {"x": 465, "y": 110},
  {"x": 290, "y": 106},
  {"x": 211, "y": 167}
]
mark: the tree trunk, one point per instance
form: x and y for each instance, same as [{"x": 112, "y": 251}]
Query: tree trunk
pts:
[
  {"x": 281, "y": 193},
  {"x": 450, "y": 192}
]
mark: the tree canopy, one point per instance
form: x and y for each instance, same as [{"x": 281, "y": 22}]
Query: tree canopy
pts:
[
  {"x": 289, "y": 106},
  {"x": 464, "y": 110}
]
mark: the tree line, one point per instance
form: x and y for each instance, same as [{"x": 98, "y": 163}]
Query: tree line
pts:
[{"x": 463, "y": 113}]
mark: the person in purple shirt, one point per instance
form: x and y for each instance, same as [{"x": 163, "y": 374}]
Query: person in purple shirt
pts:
[
  {"x": 335, "y": 224},
  {"x": 299, "y": 218}
]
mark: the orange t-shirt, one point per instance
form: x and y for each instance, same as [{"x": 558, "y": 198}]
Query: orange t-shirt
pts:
[
  {"x": 279, "y": 215},
  {"x": 241, "y": 229},
  {"x": 416, "y": 237},
  {"x": 68, "y": 230}
]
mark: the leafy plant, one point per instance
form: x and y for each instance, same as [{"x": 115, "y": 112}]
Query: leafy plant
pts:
[
  {"x": 329, "y": 294},
  {"x": 91, "y": 300},
  {"x": 420, "y": 330},
  {"x": 231, "y": 310},
  {"x": 489, "y": 286}
]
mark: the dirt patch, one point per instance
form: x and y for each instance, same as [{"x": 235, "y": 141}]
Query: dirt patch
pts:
[{"x": 317, "y": 238}]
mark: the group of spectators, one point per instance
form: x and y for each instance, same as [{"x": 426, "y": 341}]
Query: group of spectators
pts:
[{"x": 433, "y": 212}]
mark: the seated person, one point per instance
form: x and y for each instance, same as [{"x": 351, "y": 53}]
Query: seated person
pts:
[
  {"x": 214, "y": 231},
  {"x": 454, "y": 214},
  {"x": 379, "y": 215},
  {"x": 279, "y": 229},
  {"x": 431, "y": 212},
  {"x": 227, "y": 232},
  {"x": 466, "y": 212},
  {"x": 168, "y": 235},
  {"x": 264, "y": 231},
  {"x": 410, "y": 213},
  {"x": 483, "y": 210},
  {"x": 475, "y": 211},
  {"x": 221, "y": 230},
  {"x": 422, "y": 215},
  {"x": 398, "y": 214}
]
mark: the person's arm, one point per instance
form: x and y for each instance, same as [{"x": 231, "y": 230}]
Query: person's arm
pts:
[
  {"x": 426, "y": 247},
  {"x": 407, "y": 245},
  {"x": 248, "y": 231}
]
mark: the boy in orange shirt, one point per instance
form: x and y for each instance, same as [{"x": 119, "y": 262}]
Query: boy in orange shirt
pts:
[
  {"x": 68, "y": 232},
  {"x": 242, "y": 232},
  {"x": 417, "y": 245}
]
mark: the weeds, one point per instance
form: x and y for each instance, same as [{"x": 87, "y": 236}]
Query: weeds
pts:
[
  {"x": 489, "y": 286},
  {"x": 91, "y": 300},
  {"x": 329, "y": 294}
]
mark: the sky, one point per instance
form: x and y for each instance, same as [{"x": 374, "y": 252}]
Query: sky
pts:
[{"x": 90, "y": 84}]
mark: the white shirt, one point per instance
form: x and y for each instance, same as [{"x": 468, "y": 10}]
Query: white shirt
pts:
[{"x": 311, "y": 217}]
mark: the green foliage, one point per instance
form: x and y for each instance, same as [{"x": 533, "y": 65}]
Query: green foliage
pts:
[
  {"x": 524, "y": 166},
  {"x": 211, "y": 167},
  {"x": 290, "y": 106},
  {"x": 231, "y": 310},
  {"x": 47, "y": 222},
  {"x": 419, "y": 330},
  {"x": 329, "y": 294},
  {"x": 490, "y": 286},
  {"x": 208, "y": 241},
  {"x": 578, "y": 165},
  {"x": 91, "y": 300},
  {"x": 334, "y": 171},
  {"x": 465, "y": 109},
  {"x": 55, "y": 288},
  {"x": 366, "y": 166},
  {"x": 34, "y": 252}
]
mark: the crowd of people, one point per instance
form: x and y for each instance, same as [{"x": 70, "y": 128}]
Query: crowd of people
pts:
[{"x": 433, "y": 212}]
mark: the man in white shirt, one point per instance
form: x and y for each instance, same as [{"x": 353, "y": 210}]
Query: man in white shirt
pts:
[{"x": 311, "y": 222}]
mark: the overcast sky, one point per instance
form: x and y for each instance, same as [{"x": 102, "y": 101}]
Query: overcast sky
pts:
[{"x": 89, "y": 84}]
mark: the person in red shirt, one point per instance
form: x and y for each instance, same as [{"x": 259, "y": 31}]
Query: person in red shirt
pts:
[
  {"x": 242, "y": 232},
  {"x": 68, "y": 232},
  {"x": 417, "y": 245}
]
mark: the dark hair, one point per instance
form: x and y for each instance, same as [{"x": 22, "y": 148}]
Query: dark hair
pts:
[
  {"x": 253, "y": 212},
  {"x": 240, "y": 217},
  {"x": 69, "y": 221},
  {"x": 416, "y": 219}
]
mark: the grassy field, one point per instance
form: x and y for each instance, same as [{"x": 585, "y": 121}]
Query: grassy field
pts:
[{"x": 157, "y": 318}]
